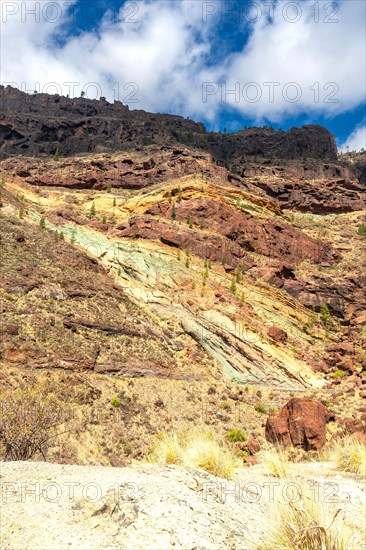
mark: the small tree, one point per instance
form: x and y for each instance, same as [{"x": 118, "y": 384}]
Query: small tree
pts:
[
  {"x": 114, "y": 201},
  {"x": 174, "y": 211},
  {"x": 187, "y": 258},
  {"x": 104, "y": 220},
  {"x": 42, "y": 223},
  {"x": 326, "y": 317},
  {"x": 57, "y": 155},
  {"x": 21, "y": 212},
  {"x": 92, "y": 210},
  {"x": 233, "y": 287},
  {"x": 189, "y": 221}
]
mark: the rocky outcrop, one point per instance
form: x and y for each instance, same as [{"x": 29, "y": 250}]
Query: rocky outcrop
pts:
[
  {"x": 301, "y": 422},
  {"x": 40, "y": 124},
  {"x": 278, "y": 335},
  {"x": 243, "y": 231},
  {"x": 324, "y": 196}
]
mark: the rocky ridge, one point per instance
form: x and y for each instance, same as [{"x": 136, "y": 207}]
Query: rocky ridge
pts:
[{"x": 40, "y": 124}]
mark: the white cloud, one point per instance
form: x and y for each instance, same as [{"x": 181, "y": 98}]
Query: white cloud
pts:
[
  {"x": 355, "y": 141},
  {"x": 166, "y": 53}
]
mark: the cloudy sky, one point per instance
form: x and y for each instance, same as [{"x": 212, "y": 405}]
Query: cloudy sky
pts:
[{"x": 227, "y": 63}]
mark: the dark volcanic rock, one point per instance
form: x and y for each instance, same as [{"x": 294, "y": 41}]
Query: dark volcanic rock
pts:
[{"x": 41, "y": 123}]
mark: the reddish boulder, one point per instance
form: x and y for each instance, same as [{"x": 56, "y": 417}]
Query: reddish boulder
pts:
[
  {"x": 278, "y": 335},
  {"x": 252, "y": 446},
  {"x": 301, "y": 422}
]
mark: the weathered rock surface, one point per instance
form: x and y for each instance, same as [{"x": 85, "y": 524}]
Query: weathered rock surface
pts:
[
  {"x": 153, "y": 506},
  {"x": 301, "y": 422},
  {"x": 41, "y": 123}
]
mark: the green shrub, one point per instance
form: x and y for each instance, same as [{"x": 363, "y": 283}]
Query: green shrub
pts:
[
  {"x": 338, "y": 373},
  {"x": 325, "y": 316},
  {"x": 115, "y": 402},
  {"x": 235, "y": 435},
  {"x": 362, "y": 230},
  {"x": 233, "y": 287},
  {"x": 260, "y": 408}
]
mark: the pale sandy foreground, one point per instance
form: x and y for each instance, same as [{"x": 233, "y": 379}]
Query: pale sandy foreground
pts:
[{"x": 50, "y": 506}]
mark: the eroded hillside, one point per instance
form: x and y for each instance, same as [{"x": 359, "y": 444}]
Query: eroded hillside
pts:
[{"x": 164, "y": 278}]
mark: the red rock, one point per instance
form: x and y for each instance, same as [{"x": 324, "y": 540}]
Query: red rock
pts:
[
  {"x": 342, "y": 347},
  {"x": 278, "y": 335},
  {"x": 252, "y": 446},
  {"x": 301, "y": 422}
]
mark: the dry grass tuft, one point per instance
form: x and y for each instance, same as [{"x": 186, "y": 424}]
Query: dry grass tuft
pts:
[
  {"x": 307, "y": 525},
  {"x": 197, "y": 450},
  {"x": 349, "y": 455},
  {"x": 276, "y": 460}
]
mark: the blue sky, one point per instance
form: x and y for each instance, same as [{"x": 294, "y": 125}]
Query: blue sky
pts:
[{"x": 227, "y": 63}]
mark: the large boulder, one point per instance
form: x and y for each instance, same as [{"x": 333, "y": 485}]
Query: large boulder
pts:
[{"x": 301, "y": 422}]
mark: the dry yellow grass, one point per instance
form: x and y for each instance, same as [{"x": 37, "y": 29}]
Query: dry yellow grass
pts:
[
  {"x": 349, "y": 455},
  {"x": 309, "y": 524},
  {"x": 276, "y": 460},
  {"x": 195, "y": 449}
]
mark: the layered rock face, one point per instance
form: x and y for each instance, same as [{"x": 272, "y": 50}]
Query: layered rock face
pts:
[
  {"x": 206, "y": 238},
  {"x": 40, "y": 124}
]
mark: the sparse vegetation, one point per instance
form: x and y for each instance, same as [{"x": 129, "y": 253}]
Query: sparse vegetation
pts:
[
  {"x": 307, "y": 523},
  {"x": 261, "y": 408},
  {"x": 115, "y": 402},
  {"x": 362, "y": 230},
  {"x": 30, "y": 420},
  {"x": 233, "y": 286},
  {"x": 197, "y": 450},
  {"x": 349, "y": 455},
  {"x": 276, "y": 460},
  {"x": 187, "y": 258},
  {"x": 326, "y": 317},
  {"x": 235, "y": 435}
]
